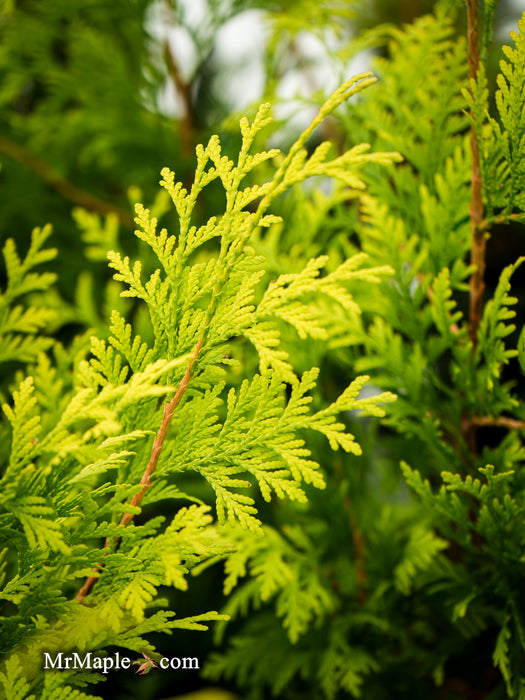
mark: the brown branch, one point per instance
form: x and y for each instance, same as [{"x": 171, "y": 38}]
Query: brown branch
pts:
[
  {"x": 60, "y": 184},
  {"x": 487, "y": 224},
  {"x": 471, "y": 424},
  {"x": 145, "y": 482},
  {"x": 187, "y": 127},
  {"x": 478, "y": 241},
  {"x": 499, "y": 422}
]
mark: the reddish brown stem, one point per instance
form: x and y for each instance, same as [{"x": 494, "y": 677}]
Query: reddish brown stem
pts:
[
  {"x": 478, "y": 241},
  {"x": 145, "y": 482}
]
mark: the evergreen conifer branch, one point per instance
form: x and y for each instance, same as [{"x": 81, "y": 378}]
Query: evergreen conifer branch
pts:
[
  {"x": 235, "y": 229},
  {"x": 211, "y": 422},
  {"x": 145, "y": 481},
  {"x": 478, "y": 234},
  {"x": 464, "y": 539},
  {"x": 22, "y": 326}
]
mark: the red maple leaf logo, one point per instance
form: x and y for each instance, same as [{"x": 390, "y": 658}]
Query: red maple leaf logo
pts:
[{"x": 145, "y": 666}]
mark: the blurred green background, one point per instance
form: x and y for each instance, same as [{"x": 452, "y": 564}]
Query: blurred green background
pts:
[{"x": 96, "y": 97}]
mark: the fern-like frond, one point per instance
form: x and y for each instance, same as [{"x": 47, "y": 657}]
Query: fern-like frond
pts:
[
  {"x": 14, "y": 682},
  {"x": 502, "y": 144},
  {"x": 22, "y": 327},
  {"x": 494, "y": 327}
]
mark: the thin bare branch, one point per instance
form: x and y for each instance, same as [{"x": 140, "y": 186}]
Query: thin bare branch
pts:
[
  {"x": 60, "y": 184},
  {"x": 187, "y": 127},
  {"x": 499, "y": 422},
  {"x": 478, "y": 240}
]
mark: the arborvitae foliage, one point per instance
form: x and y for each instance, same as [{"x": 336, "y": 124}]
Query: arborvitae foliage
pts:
[
  {"x": 101, "y": 434},
  {"x": 21, "y": 324},
  {"x": 390, "y": 588},
  {"x": 390, "y": 568}
]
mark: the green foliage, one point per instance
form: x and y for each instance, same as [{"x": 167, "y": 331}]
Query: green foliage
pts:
[
  {"x": 23, "y": 325},
  {"x": 225, "y": 409},
  {"x": 383, "y": 592},
  {"x": 84, "y": 451},
  {"x": 501, "y": 138}
]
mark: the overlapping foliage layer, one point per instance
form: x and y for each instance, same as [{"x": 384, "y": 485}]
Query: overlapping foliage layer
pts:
[
  {"x": 192, "y": 429},
  {"x": 91, "y": 445},
  {"x": 383, "y": 592}
]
